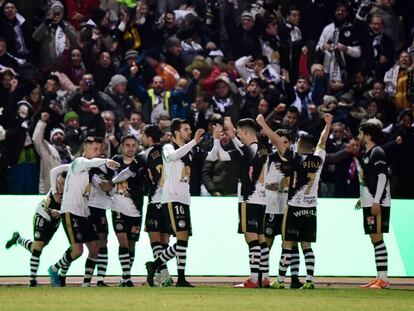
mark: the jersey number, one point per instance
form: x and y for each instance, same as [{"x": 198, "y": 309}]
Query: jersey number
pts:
[
  {"x": 311, "y": 177},
  {"x": 179, "y": 209}
]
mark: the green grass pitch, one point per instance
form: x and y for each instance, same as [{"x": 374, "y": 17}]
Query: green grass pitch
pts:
[{"x": 224, "y": 298}]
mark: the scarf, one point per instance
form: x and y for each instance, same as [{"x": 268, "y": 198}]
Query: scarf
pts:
[
  {"x": 60, "y": 41},
  {"x": 222, "y": 103}
]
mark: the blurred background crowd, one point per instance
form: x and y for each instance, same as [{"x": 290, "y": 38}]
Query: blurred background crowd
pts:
[{"x": 75, "y": 68}]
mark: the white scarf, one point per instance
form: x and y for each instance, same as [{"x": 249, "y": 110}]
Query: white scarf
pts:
[
  {"x": 390, "y": 80},
  {"x": 60, "y": 41},
  {"x": 222, "y": 104}
]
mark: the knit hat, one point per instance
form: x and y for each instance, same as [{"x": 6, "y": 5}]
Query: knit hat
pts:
[
  {"x": 69, "y": 116},
  {"x": 329, "y": 99},
  {"x": 57, "y": 6},
  {"x": 247, "y": 15},
  {"x": 131, "y": 54},
  {"x": 25, "y": 103},
  {"x": 54, "y": 131},
  {"x": 222, "y": 78},
  {"x": 201, "y": 65},
  {"x": 117, "y": 80}
]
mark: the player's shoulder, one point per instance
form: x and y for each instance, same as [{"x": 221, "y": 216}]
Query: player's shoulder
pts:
[{"x": 377, "y": 151}]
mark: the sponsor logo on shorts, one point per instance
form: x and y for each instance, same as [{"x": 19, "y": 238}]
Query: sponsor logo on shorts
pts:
[
  {"x": 37, "y": 234},
  {"x": 371, "y": 220},
  {"x": 119, "y": 227},
  {"x": 135, "y": 229},
  {"x": 304, "y": 212},
  {"x": 269, "y": 231},
  {"x": 79, "y": 236},
  {"x": 252, "y": 222},
  {"x": 181, "y": 224},
  {"x": 103, "y": 221}
]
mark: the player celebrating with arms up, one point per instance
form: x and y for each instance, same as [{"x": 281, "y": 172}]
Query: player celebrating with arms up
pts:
[
  {"x": 299, "y": 223},
  {"x": 375, "y": 198}
]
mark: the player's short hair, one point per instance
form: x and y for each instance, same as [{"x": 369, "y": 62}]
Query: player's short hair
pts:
[
  {"x": 176, "y": 125},
  {"x": 129, "y": 136},
  {"x": 307, "y": 141},
  {"x": 373, "y": 130},
  {"x": 247, "y": 123},
  {"x": 92, "y": 139},
  {"x": 284, "y": 133},
  {"x": 154, "y": 132}
]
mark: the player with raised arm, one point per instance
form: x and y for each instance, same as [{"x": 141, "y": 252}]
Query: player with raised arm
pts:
[
  {"x": 175, "y": 199},
  {"x": 251, "y": 193},
  {"x": 278, "y": 173},
  {"x": 75, "y": 213},
  {"x": 375, "y": 198},
  {"x": 299, "y": 222},
  {"x": 46, "y": 221}
]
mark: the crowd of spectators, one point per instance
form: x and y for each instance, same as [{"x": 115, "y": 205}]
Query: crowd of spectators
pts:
[{"x": 75, "y": 68}]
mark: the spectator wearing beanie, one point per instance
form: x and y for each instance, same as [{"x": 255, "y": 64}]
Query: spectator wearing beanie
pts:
[{"x": 52, "y": 153}]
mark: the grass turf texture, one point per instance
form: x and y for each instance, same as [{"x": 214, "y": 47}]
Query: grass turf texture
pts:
[{"x": 202, "y": 298}]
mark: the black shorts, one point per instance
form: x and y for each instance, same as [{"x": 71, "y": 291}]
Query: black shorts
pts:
[
  {"x": 99, "y": 220},
  {"x": 251, "y": 218},
  {"x": 376, "y": 224},
  {"x": 177, "y": 217},
  {"x": 126, "y": 224},
  {"x": 273, "y": 225},
  {"x": 78, "y": 229},
  {"x": 299, "y": 224},
  {"x": 154, "y": 220},
  {"x": 43, "y": 229}
]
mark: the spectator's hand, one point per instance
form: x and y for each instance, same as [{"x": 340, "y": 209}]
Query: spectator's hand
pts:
[
  {"x": 217, "y": 129},
  {"x": 198, "y": 136},
  {"x": 113, "y": 140},
  {"x": 58, "y": 197},
  {"x": 352, "y": 148},
  {"x": 341, "y": 47},
  {"x": 54, "y": 212},
  {"x": 112, "y": 164},
  {"x": 326, "y": 47},
  {"x": 196, "y": 74},
  {"x": 44, "y": 116},
  {"x": 328, "y": 118},
  {"x": 124, "y": 17},
  {"x": 14, "y": 83},
  {"x": 313, "y": 108},
  {"x": 55, "y": 107},
  {"x": 106, "y": 186},
  {"x": 285, "y": 75},
  {"x": 399, "y": 140},
  {"x": 94, "y": 109},
  {"x": 78, "y": 17},
  {"x": 336, "y": 85},
  {"x": 375, "y": 209},
  {"x": 228, "y": 124},
  {"x": 304, "y": 50},
  {"x": 280, "y": 108}
]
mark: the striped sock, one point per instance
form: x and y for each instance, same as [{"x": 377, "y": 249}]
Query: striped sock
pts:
[
  {"x": 294, "y": 266},
  {"x": 34, "y": 263},
  {"x": 264, "y": 260},
  {"x": 254, "y": 259},
  {"x": 102, "y": 263},
  {"x": 166, "y": 255},
  {"x": 157, "y": 249},
  {"x": 123, "y": 255},
  {"x": 164, "y": 266},
  {"x": 131, "y": 259},
  {"x": 310, "y": 263},
  {"x": 381, "y": 260},
  {"x": 181, "y": 255},
  {"x": 63, "y": 263},
  {"x": 27, "y": 244},
  {"x": 89, "y": 268},
  {"x": 284, "y": 263}
]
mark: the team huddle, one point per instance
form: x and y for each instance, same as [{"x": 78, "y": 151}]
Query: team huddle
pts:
[{"x": 278, "y": 191}]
